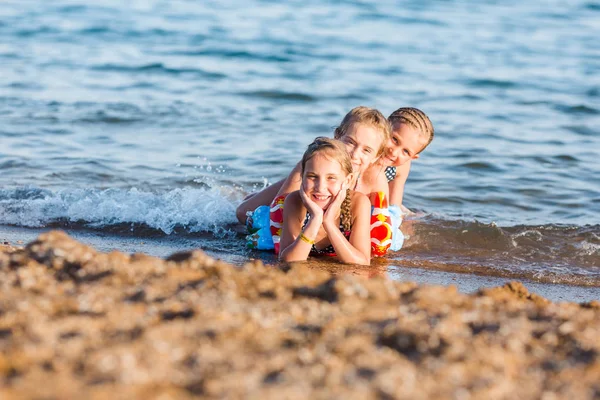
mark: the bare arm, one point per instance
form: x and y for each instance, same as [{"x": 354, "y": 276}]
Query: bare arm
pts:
[
  {"x": 381, "y": 185},
  {"x": 292, "y": 247},
  {"x": 373, "y": 180},
  {"x": 358, "y": 249},
  {"x": 397, "y": 185},
  {"x": 292, "y": 182},
  {"x": 266, "y": 196}
]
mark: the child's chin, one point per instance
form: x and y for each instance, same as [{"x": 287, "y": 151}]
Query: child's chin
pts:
[{"x": 389, "y": 163}]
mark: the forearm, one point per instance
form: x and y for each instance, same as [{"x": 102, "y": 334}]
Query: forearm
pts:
[
  {"x": 299, "y": 249},
  {"x": 251, "y": 202},
  {"x": 396, "y": 195},
  {"x": 344, "y": 250},
  {"x": 396, "y": 186},
  {"x": 291, "y": 183}
]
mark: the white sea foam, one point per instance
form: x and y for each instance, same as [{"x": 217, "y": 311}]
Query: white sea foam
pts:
[{"x": 195, "y": 210}]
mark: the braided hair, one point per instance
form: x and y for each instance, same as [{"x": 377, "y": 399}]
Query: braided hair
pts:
[
  {"x": 337, "y": 151},
  {"x": 346, "y": 213},
  {"x": 416, "y": 119}
]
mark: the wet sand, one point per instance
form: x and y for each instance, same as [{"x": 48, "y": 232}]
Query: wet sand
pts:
[{"x": 78, "y": 323}]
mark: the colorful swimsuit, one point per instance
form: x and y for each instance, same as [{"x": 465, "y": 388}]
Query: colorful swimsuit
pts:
[{"x": 329, "y": 250}]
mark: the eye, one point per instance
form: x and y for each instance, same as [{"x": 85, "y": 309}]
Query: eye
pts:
[
  {"x": 332, "y": 179},
  {"x": 406, "y": 152},
  {"x": 395, "y": 140}
]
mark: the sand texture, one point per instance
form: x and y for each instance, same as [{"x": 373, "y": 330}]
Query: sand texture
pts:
[{"x": 76, "y": 323}]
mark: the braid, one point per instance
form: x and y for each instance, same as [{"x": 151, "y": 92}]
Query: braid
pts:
[
  {"x": 415, "y": 118},
  {"x": 346, "y": 214}
]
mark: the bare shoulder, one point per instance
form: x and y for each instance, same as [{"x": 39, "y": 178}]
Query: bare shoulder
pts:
[
  {"x": 293, "y": 199},
  {"x": 359, "y": 200},
  {"x": 370, "y": 172},
  {"x": 292, "y": 182},
  {"x": 373, "y": 173},
  {"x": 380, "y": 183},
  {"x": 403, "y": 170}
]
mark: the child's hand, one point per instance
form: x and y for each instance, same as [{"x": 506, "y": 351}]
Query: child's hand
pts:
[
  {"x": 333, "y": 211},
  {"x": 316, "y": 212}
]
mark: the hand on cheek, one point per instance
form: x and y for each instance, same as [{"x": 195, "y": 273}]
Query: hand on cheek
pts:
[
  {"x": 333, "y": 211},
  {"x": 313, "y": 208}
]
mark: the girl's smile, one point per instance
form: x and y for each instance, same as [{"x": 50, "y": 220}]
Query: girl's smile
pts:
[
  {"x": 362, "y": 143},
  {"x": 323, "y": 179},
  {"x": 404, "y": 145}
]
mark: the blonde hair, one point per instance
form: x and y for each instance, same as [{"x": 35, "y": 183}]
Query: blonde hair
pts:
[
  {"x": 415, "y": 118},
  {"x": 369, "y": 117},
  {"x": 334, "y": 150}
]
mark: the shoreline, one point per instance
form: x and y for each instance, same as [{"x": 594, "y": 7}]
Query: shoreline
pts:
[
  {"x": 163, "y": 247},
  {"x": 78, "y": 323}
]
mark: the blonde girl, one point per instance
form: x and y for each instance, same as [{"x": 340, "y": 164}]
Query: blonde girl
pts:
[
  {"x": 412, "y": 132},
  {"x": 325, "y": 217}
]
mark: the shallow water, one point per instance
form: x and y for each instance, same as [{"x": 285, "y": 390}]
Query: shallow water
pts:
[{"x": 151, "y": 118}]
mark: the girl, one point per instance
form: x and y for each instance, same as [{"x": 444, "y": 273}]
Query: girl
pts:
[
  {"x": 324, "y": 216},
  {"x": 412, "y": 131}
]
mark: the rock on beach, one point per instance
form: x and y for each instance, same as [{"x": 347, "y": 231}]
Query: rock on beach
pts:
[{"x": 77, "y": 323}]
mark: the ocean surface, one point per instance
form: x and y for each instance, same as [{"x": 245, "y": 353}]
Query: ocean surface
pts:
[{"x": 150, "y": 121}]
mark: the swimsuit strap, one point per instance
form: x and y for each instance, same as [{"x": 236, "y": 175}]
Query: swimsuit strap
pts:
[{"x": 390, "y": 173}]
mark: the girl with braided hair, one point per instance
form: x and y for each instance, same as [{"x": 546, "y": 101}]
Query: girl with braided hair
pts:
[
  {"x": 325, "y": 217},
  {"x": 412, "y": 131}
]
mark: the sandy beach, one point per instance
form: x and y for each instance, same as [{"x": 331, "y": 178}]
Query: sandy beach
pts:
[{"x": 78, "y": 323}]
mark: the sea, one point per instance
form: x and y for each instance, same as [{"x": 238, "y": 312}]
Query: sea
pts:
[{"x": 141, "y": 125}]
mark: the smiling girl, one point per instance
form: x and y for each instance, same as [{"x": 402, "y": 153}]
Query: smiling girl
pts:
[{"x": 324, "y": 217}]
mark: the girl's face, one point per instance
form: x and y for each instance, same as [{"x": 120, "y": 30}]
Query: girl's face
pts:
[
  {"x": 322, "y": 179},
  {"x": 404, "y": 145},
  {"x": 362, "y": 143}
]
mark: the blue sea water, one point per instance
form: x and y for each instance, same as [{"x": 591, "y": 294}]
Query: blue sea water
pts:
[{"x": 155, "y": 118}]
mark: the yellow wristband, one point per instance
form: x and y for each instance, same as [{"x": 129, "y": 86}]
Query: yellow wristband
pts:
[{"x": 305, "y": 239}]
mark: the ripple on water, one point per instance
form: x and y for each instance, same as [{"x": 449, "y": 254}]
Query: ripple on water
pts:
[
  {"x": 578, "y": 109},
  {"x": 280, "y": 95},
  {"x": 582, "y": 130},
  {"x": 593, "y": 6},
  {"x": 593, "y": 92},
  {"x": 566, "y": 158},
  {"x": 157, "y": 68},
  {"x": 234, "y": 54},
  {"x": 481, "y": 166},
  {"x": 43, "y": 30},
  {"x": 13, "y": 163},
  {"x": 492, "y": 83}
]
